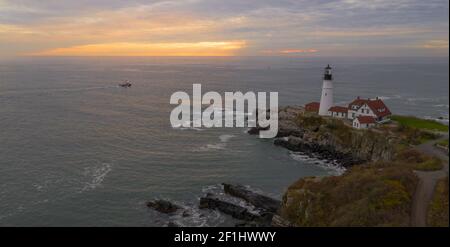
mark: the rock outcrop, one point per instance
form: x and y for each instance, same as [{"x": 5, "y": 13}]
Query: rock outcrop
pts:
[
  {"x": 236, "y": 211},
  {"x": 265, "y": 203},
  {"x": 163, "y": 206},
  {"x": 259, "y": 211},
  {"x": 330, "y": 139},
  {"x": 249, "y": 207}
]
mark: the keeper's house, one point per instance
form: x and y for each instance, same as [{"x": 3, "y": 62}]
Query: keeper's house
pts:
[{"x": 364, "y": 113}]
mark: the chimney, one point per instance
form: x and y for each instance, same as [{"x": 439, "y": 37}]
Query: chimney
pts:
[{"x": 358, "y": 97}]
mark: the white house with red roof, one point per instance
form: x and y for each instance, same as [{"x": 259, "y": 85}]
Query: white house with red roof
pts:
[
  {"x": 364, "y": 113},
  {"x": 338, "y": 111},
  {"x": 369, "y": 107},
  {"x": 363, "y": 122}
]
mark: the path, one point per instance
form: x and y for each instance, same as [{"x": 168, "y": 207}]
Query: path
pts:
[{"x": 427, "y": 183}]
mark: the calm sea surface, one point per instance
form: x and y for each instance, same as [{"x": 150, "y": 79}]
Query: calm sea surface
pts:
[{"x": 76, "y": 150}]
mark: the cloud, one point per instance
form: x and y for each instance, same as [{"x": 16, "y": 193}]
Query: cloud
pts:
[
  {"x": 222, "y": 48},
  {"x": 289, "y": 51},
  {"x": 334, "y": 26},
  {"x": 436, "y": 44}
]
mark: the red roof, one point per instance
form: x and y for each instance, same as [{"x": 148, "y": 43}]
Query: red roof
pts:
[
  {"x": 358, "y": 102},
  {"x": 313, "y": 106},
  {"x": 366, "y": 119},
  {"x": 338, "y": 109},
  {"x": 377, "y": 106}
]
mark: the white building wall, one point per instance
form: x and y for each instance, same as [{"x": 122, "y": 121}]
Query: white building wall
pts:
[
  {"x": 351, "y": 114},
  {"x": 326, "y": 101},
  {"x": 362, "y": 111},
  {"x": 337, "y": 114},
  {"x": 358, "y": 125}
]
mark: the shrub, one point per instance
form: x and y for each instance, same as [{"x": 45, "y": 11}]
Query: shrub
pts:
[
  {"x": 433, "y": 164},
  {"x": 438, "y": 210},
  {"x": 370, "y": 195}
]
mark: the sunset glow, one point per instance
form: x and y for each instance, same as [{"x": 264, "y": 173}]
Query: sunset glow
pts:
[
  {"x": 216, "y": 28},
  {"x": 158, "y": 49}
]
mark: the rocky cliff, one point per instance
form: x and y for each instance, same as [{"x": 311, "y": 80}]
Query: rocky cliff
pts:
[{"x": 330, "y": 139}]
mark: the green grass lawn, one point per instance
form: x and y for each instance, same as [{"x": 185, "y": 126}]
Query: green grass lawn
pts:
[
  {"x": 418, "y": 123},
  {"x": 433, "y": 164},
  {"x": 443, "y": 143}
]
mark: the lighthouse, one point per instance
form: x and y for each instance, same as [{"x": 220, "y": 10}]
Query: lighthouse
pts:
[{"x": 326, "y": 101}]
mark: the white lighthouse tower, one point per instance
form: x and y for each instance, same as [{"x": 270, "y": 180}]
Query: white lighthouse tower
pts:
[{"x": 326, "y": 101}]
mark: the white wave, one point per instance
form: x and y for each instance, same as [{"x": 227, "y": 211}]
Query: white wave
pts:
[
  {"x": 441, "y": 105},
  {"x": 190, "y": 128},
  {"x": 225, "y": 138},
  {"x": 96, "y": 174},
  {"x": 389, "y": 97},
  {"x": 189, "y": 122},
  {"x": 38, "y": 187},
  {"x": 192, "y": 216},
  {"x": 332, "y": 166},
  {"x": 440, "y": 120},
  {"x": 208, "y": 147},
  {"x": 217, "y": 146}
]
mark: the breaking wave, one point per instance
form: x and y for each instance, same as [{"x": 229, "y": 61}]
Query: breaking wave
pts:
[
  {"x": 333, "y": 167},
  {"x": 96, "y": 174},
  {"x": 217, "y": 146}
]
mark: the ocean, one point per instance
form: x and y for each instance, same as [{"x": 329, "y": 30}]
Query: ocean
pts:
[{"x": 77, "y": 150}]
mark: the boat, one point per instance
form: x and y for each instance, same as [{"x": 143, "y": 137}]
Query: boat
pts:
[{"x": 125, "y": 84}]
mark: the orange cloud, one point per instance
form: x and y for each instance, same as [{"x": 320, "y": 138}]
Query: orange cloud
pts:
[
  {"x": 289, "y": 51},
  {"x": 436, "y": 44},
  {"x": 222, "y": 48}
]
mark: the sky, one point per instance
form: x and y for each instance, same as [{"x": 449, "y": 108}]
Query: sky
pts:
[{"x": 224, "y": 28}]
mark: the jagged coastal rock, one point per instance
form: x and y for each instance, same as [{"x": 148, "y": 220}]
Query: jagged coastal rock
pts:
[
  {"x": 249, "y": 207},
  {"x": 163, "y": 206},
  {"x": 264, "y": 207},
  {"x": 329, "y": 139},
  {"x": 236, "y": 211},
  {"x": 262, "y": 202}
]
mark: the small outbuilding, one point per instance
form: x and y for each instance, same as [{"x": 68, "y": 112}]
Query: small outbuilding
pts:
[
  {"x": 312, "y": 107},
  {"x": 364, "y": 122},
  {"x": 338, "y": 112}
]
